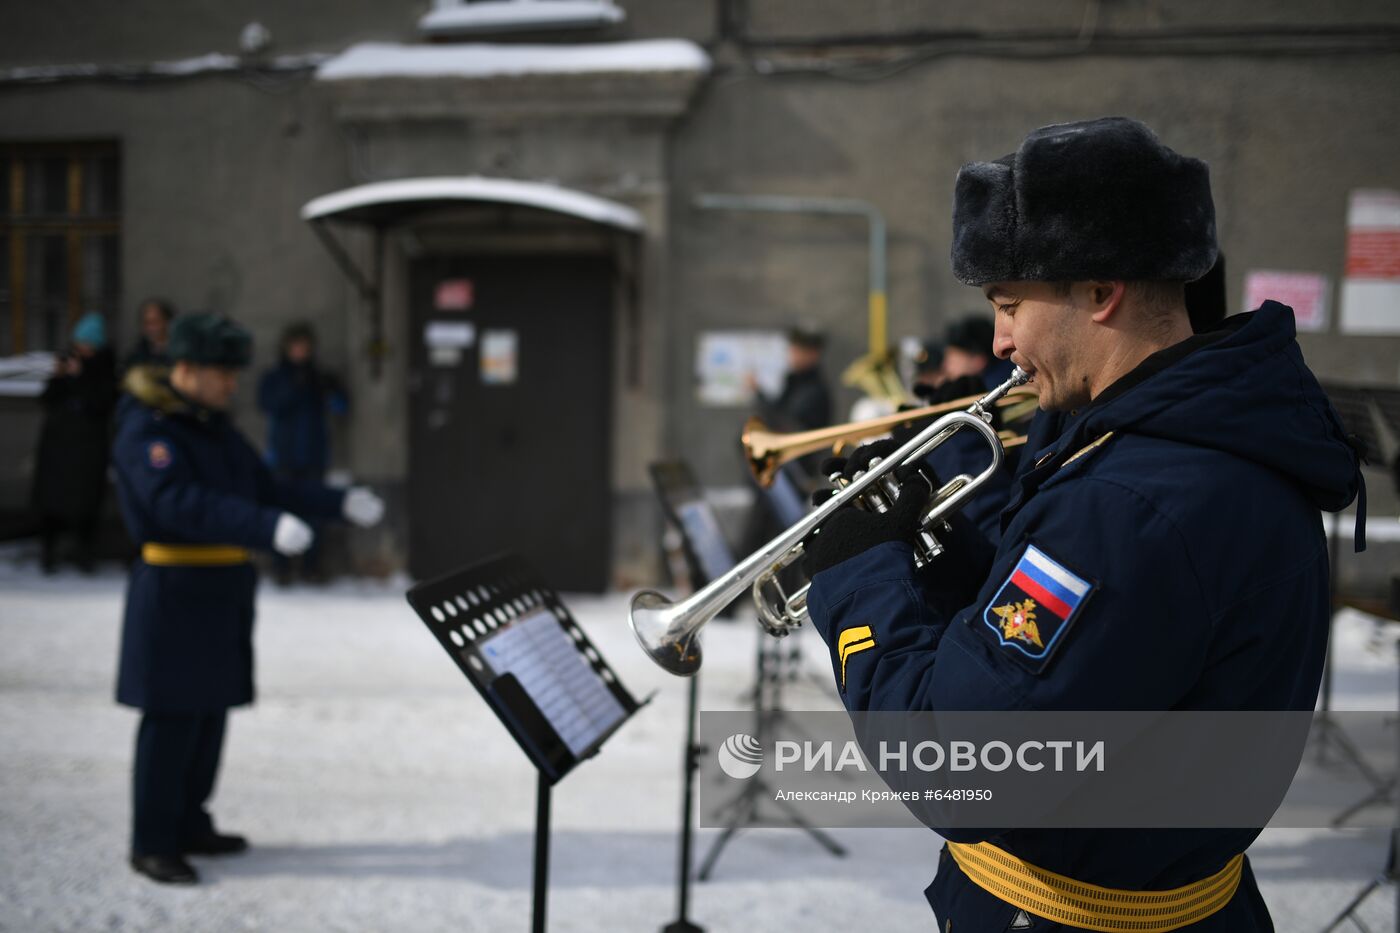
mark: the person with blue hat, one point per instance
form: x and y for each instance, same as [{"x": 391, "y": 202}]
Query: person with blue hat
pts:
[
  {"x": 70, "y": 464},
  {"x": 199, "y": 500},
  {"x": 1161, "y": 546}
]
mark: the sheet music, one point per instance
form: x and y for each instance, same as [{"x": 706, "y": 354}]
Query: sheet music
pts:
[
  {"x": 702, "y": 530},
  {"x": 556, "y": 677}
]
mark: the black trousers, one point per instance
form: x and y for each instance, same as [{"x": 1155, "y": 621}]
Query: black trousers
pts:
[{"x": 177, "y": 760}]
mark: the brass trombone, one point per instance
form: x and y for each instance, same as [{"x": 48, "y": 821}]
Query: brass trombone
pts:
[{"x": 767, "y": 451}]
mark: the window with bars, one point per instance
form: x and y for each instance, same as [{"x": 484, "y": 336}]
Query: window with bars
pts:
[{"x": 60, "y": 229}]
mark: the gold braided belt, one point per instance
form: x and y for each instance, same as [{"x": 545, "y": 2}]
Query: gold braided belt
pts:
[
  {"x": 1090, "y": 906},
  {"x": 193, "y": 555}
]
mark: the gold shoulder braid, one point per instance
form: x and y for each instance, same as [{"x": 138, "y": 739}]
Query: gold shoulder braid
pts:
[{"x": 1088, "y": 448}]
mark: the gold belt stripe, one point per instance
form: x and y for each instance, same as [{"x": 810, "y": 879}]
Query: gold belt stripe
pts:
[
  {"x": 193, "y": 555},
  {"x": 1089, "y": 906}
]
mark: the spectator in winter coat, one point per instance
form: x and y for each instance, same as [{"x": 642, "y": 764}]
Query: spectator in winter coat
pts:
[
  {"x": 295, "y": 395},
  {"x": 70, "y": 469},
  {"x": 153, "y": 346}
]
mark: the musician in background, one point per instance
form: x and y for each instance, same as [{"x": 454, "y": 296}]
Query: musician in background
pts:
[
  {"x": 805, "y": 400},
  {"x": 970, "y": 367},
  {"x": 1167, "y": 541},
  {"x": 928, "y": 368},
  {"x": 803, "y": 403}
]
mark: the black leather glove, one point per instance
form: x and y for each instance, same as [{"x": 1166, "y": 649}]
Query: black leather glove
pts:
[
  {"x": 850, "y": 530},
  {"x": 961, "y": 387}
]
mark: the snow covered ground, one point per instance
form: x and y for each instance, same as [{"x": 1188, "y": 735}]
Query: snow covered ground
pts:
[{"x": 380, "y": 794}]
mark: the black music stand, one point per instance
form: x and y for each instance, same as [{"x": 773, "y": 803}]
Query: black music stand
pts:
[
  {"x": 517, "y": 644},
  {"x": 1367, "y": 413},
  {"x": 707, "y": 556}
]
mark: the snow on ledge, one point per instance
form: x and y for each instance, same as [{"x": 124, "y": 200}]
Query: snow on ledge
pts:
[
  {"x": 476, "y": 188},
  {"x": 518, "y": 16},
  {"x": 481, "y": 60},
  {"x": 212, "y": 63}
]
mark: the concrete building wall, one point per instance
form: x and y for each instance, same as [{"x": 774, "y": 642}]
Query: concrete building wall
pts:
[
  {"x": 215, "y": 169},
  {"x": 1287, "y": 139}
]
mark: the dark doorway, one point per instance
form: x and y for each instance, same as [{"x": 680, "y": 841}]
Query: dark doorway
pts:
[{"x": 509, "y": 389}]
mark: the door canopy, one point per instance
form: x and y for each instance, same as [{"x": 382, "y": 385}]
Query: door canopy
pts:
[{"x": 385, "y": 203}]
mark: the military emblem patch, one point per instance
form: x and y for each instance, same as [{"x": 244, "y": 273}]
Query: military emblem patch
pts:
[
  {"x": 159, "y": 455},
  {"x": 1031, "y": 612}
]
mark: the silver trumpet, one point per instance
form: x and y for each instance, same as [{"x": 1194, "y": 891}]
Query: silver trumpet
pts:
[{"x": 668, "y": 631}]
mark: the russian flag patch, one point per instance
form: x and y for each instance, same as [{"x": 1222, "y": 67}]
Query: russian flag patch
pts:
[{"x": 1032, "y": 611}]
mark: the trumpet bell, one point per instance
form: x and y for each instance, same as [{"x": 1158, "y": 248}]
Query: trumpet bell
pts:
[{"x": 651, "y": 621}]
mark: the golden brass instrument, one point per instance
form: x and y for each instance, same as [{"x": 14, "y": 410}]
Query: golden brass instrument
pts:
[
  {"x": 877, "y": 376},
  {"x": 767, "y": 451}
]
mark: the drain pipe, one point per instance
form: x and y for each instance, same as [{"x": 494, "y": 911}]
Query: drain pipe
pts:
[{"x": 876, "y": 302}]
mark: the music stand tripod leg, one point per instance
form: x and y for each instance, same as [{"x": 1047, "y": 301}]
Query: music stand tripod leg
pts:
[
  {"x": 744, "y": 810},
  {"x": 682, "y": 923},
  {"x": 541, "y": 855},
  {"x": 831, "y": 845},
  {"x": 1391, "y": 873}
]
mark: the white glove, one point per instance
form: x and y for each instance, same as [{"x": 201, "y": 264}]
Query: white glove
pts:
[
  {"x": 362, "y": 507},
  {"x": 292, "y": 536}
]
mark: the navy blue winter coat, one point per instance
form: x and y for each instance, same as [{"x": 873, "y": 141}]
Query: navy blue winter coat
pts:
[
  {"x": 1171, "y": 540},
  {"x": 295, "y": 399},
  {"x": 185, "y": 475}
]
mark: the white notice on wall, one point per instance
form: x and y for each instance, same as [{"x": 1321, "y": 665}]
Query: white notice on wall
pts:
[
  {"x": 724, "y": 359},
  {"x": 1305, "y": 292},
  {"x": 500, "y": 357},
  {"x": 557, "y": 678},
  {"x": 455, "y": 334},
  {"x": 1371, "y": 292}
]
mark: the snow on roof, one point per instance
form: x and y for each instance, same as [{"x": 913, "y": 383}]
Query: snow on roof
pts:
[
  {"x": 481, "y": 60},
  {"x": 474, "y": 188},
  {"x": 519, "y": 15}
]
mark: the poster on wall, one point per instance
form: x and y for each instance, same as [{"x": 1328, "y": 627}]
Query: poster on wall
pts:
[
  {"x": 500, "y": 357},
  {"x": 1306, "y": 293},
  {"x": 725, "y": 359},
  {"x": 1371, "y": 291}
]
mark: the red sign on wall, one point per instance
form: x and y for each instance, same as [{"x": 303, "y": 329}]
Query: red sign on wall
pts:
[
  {"x": 453, "y": 295},
  {"x": 1371, "y": 290},
  {"x": 1305, "y": 292}
]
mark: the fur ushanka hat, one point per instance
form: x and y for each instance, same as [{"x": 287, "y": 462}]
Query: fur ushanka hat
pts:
[{"x": 1101, "y": 199}]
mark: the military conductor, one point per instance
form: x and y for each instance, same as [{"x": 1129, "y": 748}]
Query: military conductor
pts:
[{"x": 198, "y": 499}]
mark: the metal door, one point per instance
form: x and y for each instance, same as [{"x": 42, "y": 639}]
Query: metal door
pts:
[{"x": 509, "y": 390}]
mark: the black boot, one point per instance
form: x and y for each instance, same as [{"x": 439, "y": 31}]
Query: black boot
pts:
[
  {"x": 216, "y": 844},
  {"x": 166, "y": 869}
]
